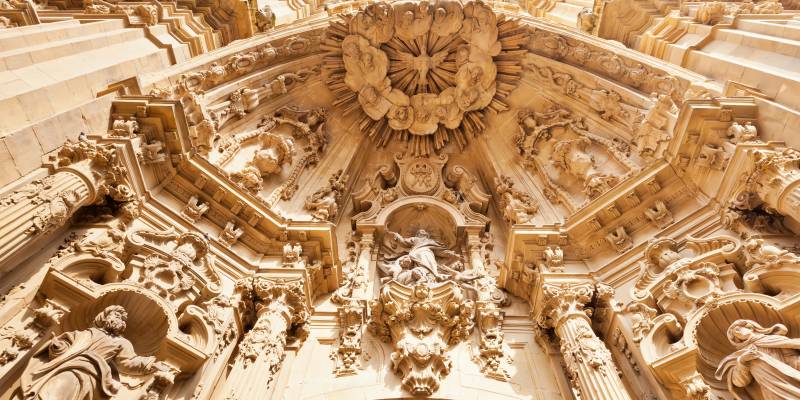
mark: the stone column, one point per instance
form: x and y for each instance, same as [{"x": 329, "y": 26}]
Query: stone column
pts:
[
  {"x": 280, "y": 311},
  {"x": 83, "y": 172},
  {"x": 776, "y": 179},
  {"x": 362, "y": 269},
  {"x": 587, "y": 359},
  {"x": 475, "y": 256},
  {"x": 351, "y": 300}
]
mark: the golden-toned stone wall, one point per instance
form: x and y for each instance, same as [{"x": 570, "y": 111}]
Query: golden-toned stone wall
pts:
[{"x": 456, "y": 200}]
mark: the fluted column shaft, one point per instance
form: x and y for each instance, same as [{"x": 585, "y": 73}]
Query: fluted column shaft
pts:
[
  {"x": 260, "y": 354},
  {"x": 588, "y": 361},
  {"x": 38, "y": 208},
  {"x": 281, "y": 311}
]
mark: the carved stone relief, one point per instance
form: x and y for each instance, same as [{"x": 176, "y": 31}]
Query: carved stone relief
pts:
[
  {"x": 434, "y": 90},
  {"x": 559, "y": 148},
  {"x": 59, "y": 369}
]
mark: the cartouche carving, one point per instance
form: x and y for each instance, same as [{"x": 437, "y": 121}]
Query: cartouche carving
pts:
[{"x": 572, "y": 157}]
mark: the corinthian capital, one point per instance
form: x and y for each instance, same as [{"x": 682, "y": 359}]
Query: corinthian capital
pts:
[
  {"x": 773, "y": 168},
  {"x": 565, "y": 299},
  {"x": 99, "y": 164},
  {"x": 262, "y": 294}
]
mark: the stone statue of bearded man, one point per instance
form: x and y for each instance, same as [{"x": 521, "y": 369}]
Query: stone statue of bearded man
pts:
[{"x": 84, "y": 364}]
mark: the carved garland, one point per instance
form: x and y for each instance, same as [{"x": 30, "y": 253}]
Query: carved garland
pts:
[{"x": 423, "y": 72}]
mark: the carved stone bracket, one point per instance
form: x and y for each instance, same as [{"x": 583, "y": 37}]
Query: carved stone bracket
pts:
[{"x": 421, "y": 323}]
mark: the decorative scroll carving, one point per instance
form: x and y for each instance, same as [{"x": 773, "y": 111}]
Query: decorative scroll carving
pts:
[
  {"x": 177, "y": 267},
  {"x": 608, "y": 103},
  {"x": 493, "y": 352},
  {"x": 194, "y": 209},
  {"x": 79, "y": 364},
  {"x": 433, "y": 90},
  {"x": 679, "y": 284},
  {"x": 641, "y": 319},
  {"x": 566, "y": 156},
  {"x": 347, "y": 355},
  {"x": 659, "y": 214},
  {"x": 714, "y": 12},
  {"x": 324, "y": 203},
  {"x": 572, "y": 157},
  {"x": 517, "y": 207},
  {"x": 421, "y": 322},
  {"x": 605, "y": 62},
  {"x": 652, "y": 131},
  {"x": 553, "y": 259},
  {"x": 765, "y": 359},
  {"x": 619, "y": 239},
  {"x": 422, "y": 176},
  {"x": 230, "y": 234}
]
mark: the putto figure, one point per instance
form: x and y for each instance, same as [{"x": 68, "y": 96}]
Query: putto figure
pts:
[{"x": 83, "y": 364}]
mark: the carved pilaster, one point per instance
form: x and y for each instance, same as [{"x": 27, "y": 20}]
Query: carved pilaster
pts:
[
  {"x": 587, "y": 359},
  {"x": 351, "y": 299},
  {"x": 279, "y": 310},
  {"x": 84, "y": 172}
]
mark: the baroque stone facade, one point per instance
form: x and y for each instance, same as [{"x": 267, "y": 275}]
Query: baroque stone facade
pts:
[{"x": 414, "y": 199}]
